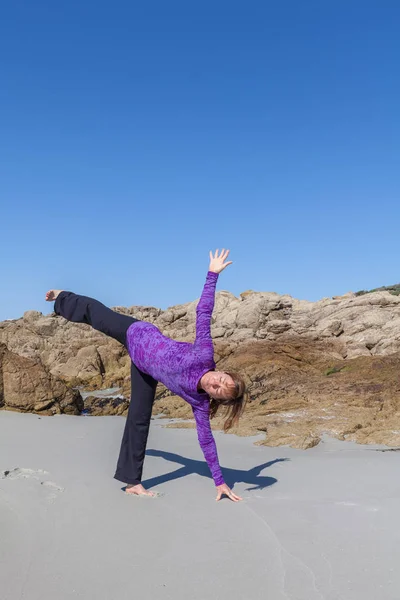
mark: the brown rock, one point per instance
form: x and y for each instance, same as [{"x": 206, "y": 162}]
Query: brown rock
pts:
[
  {"x": 97, "y": 406},
  {"x": 25, "y": 385}
]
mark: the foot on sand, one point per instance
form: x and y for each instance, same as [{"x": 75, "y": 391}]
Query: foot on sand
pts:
[
  {"x": 139, "y": 490},
  {"x": 51, "y": 295}
]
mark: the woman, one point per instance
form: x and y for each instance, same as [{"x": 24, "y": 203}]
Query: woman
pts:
[{"x": 188, "y": 370}]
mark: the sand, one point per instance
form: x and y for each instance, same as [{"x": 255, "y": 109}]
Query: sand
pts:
[{"x": 321, "y": 524}]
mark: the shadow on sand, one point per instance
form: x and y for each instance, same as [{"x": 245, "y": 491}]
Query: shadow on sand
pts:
[{"x": 189, "y": 466}]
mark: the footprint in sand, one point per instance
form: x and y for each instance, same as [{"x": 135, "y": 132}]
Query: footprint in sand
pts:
[
  {"x": 19, "y": 473},
  {"x": 53, "y": 488},
  {"x": 37, "y": 474}
]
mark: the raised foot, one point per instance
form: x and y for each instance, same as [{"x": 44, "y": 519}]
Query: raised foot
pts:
[{"x": 52, "y": 295}]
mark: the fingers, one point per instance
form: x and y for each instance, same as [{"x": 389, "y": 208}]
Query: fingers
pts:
[
  {"x": 235, "y": 498},
  {"x": 228, "y": 492},
  {"x": 218, "y": 260},
  {"x": 223, "y": 255}
]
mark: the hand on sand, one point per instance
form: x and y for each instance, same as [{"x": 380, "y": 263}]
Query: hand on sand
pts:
[
  {"x": 225, "y": 490},
  {"x": 217, "y": 261},
  {"x": 51, "y": 295},
  {"x": 138, "y": 490}
]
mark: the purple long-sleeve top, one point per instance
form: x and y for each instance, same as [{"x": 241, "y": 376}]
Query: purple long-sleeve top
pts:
[{"x": 180, "y": 366}]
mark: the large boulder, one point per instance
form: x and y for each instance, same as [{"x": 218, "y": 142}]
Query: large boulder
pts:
[{"x": 27, "y": 386}]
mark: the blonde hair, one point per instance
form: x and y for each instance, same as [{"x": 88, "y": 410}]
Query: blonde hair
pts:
[{"x": 234, "y": 402}]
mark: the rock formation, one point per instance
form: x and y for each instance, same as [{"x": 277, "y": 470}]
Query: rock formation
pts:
[
  {"x": 27, "y": 386},
  {"x": 312, "y": 367}
]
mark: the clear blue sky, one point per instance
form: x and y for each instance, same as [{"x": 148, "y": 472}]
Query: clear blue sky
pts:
[{"x": 136, "y": 136}]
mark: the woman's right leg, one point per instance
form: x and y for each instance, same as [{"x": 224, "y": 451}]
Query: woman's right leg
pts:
[
  {"x": 82, "y": 309},
  {"x": 134, "y": 441}
]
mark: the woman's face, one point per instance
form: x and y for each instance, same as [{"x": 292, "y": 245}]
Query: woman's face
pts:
[{"x": 218, "y": 385}]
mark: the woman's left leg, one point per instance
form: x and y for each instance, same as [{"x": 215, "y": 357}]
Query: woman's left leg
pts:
[
  {"x": 133, "y": 446},
  {"x": 82, "y": 309}
]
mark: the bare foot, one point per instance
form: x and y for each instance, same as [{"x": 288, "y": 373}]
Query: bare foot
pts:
[
  {"x": 51, "y": 295},
  {"x": 138, "y": 490}
]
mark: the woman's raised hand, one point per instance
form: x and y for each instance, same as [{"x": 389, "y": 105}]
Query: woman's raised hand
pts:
[{"x": 218, "y": 261}]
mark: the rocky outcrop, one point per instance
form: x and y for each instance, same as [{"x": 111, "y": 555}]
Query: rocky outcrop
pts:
[
  {"x": 95, "y": 406},
  {"x": 312, "y": 368},
  {"x": 26, "y": 385}
]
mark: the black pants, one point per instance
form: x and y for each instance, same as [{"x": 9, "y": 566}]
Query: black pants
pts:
[{"x": 81, "y": 309}]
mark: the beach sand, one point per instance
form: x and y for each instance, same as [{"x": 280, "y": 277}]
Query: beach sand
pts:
[{"x": 321, "y": 524}]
